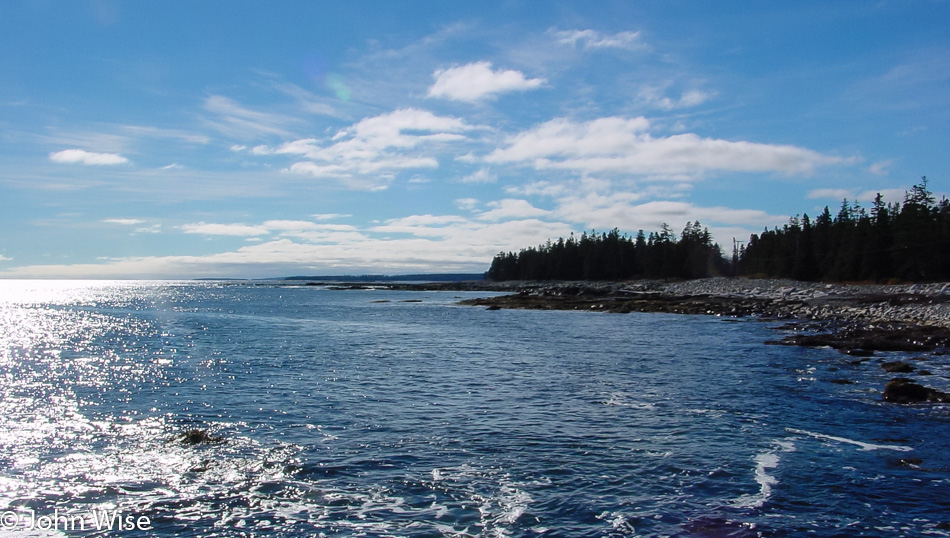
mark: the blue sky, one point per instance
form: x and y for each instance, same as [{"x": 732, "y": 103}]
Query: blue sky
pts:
[{"x": 256, "y": 139}]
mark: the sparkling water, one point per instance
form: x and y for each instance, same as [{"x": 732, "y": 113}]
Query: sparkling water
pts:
[{"x": 387, "y": 413}]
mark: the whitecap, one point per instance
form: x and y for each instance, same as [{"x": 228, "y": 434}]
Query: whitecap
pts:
[
  {"x": 863, "y": 445},
  {"x": 763, "y": 463}
]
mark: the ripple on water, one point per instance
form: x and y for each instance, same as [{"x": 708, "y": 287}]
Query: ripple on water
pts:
[{"x": 341, "y": 415}]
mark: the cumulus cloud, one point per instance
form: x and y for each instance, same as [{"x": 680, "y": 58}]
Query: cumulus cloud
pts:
[
  {"x": 5, "y": 258},
  {"x": 511, "y": 208},
  {"x": 466, "y": 203},
  {"x": 591, "y": 39},
  {"x": 476, "y": 81},
  {"x": 482, "y": 175},
  {"x": 624, "y": 145},
  {"x": 79, "y": 156},
  {"x": 368, "y": 154}
]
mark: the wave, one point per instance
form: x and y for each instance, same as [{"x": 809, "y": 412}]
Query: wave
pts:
[{"x": 863, "y": 445}]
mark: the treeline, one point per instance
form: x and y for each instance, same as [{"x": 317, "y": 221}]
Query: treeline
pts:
[
  {"x": 889, "y": 241},
  {"x": 908, "y": 242},
  {"x": 615, "y": 256}
]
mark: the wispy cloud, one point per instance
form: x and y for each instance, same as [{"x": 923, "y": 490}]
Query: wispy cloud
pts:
[
  {"x": 477, "y": 81},
  {"x": 5, "y": 258},
  {"x": 80, "y": 156},
  {"x": 237, "y": 121},
  {"x": 592, "y": 39},
  {"x": 330, "y": 216},
  {"x": 183, "y": 135},
  {"x": 881, "y": 168},
  {"x": 655, "y": 97},
  {"x": 124, "y": 222},
  {"x": 624, "y": 145}
]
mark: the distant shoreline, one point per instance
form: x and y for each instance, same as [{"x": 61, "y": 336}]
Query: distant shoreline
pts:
[{"x": 921, "y": 304}]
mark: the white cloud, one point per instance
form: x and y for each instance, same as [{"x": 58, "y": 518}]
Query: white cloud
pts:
[
  {"x": 482, "y": 175},
  {"x": 79, "y": 156},
  {"x": 591, "y": 39},
  {"x": 368, "y": 154},
  {"x": 511, "y": 208},
  {"x": 151, "y": 229},
  {"x": 5, "y": 258},
  {"x": 476, "y": 81},
  {"x": 460, "y": 246},
  {"x": 466, "y": 204},
  {"x": 655, "y": 97},
  {"x": 124, "y": 222},
  {"x": 538, "y": 188},
  {"x": 206, "y": 228},
  {"x": 290, "y": 225},
  {"x": 623, "y": 145}
]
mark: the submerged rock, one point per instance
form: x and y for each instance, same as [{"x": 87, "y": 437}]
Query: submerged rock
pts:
[
  {"x": 901, "y": 390},
  {"x": 858, "y": 339},
  {"x": 842, "y": 381},
  {"x": 899, "y": 367}
]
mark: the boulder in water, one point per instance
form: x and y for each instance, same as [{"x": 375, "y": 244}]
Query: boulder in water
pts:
[
  {"x": 899, "y": 367},
  {"x": 197, "y": 437},
  {"x": 901, "y": 390}
]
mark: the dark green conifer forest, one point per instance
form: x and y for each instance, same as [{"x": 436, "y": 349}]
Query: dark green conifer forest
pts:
[{"x": 906, "y": 242}]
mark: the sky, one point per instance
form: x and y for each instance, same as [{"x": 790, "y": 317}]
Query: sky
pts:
[{"x": 243, "y": 139}]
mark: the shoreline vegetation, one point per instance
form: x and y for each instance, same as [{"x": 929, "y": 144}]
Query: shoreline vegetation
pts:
[{"x": 893, "y": 242}]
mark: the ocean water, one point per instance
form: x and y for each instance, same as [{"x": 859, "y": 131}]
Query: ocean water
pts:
[{"x": 383, "y": 413}]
